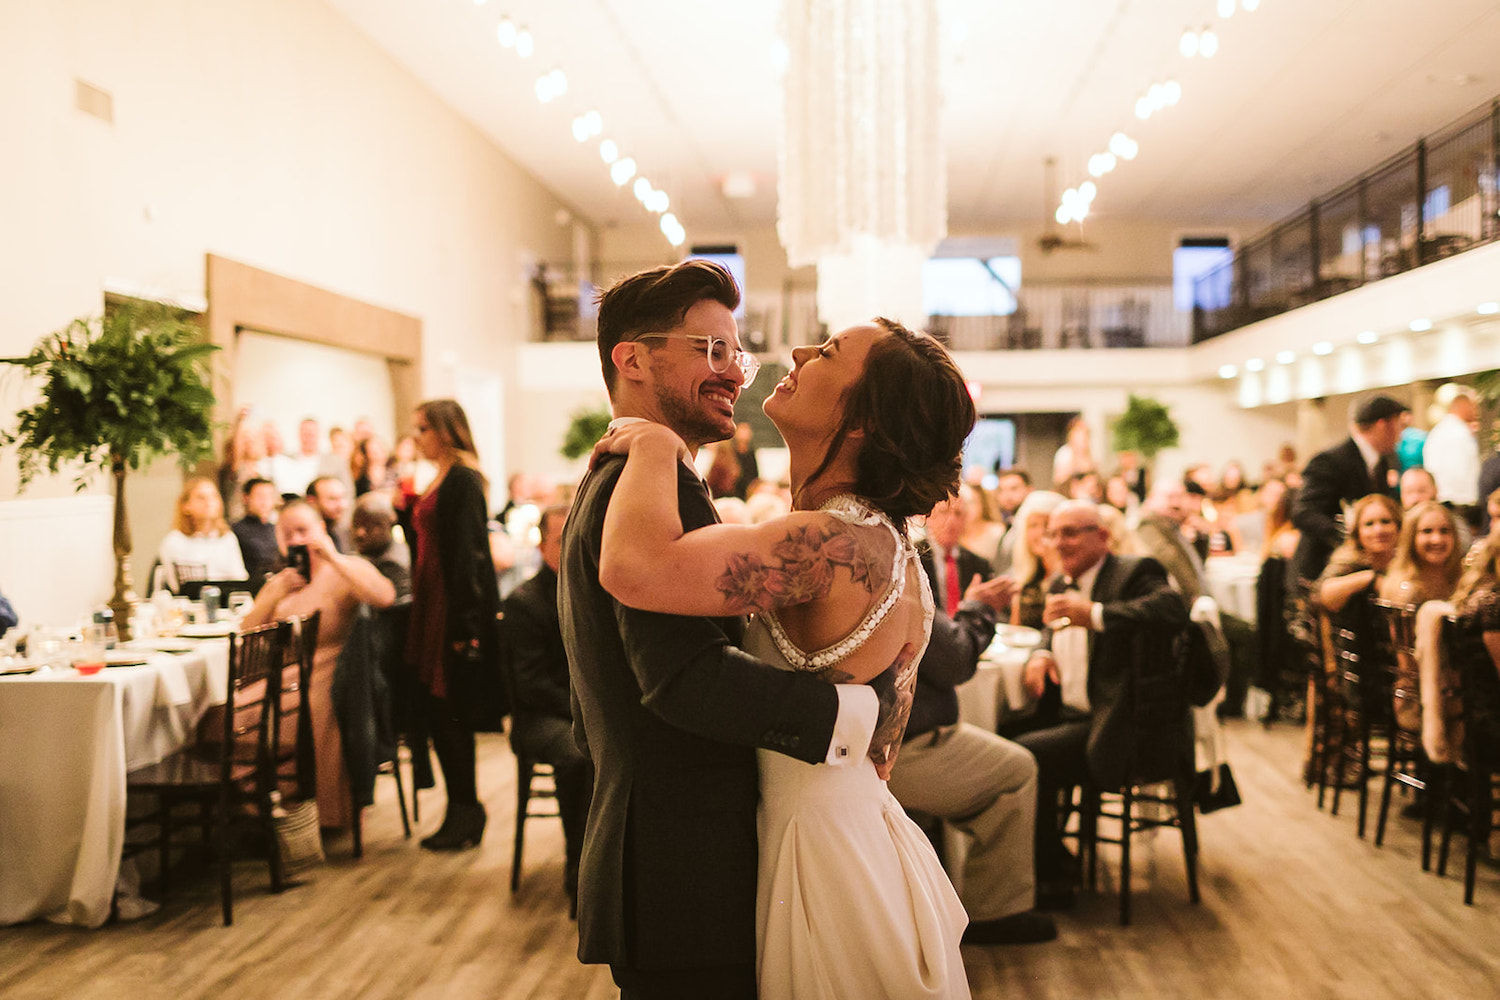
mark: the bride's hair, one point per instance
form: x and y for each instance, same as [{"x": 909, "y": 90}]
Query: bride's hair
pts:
[{"x": 915, "y": 411}]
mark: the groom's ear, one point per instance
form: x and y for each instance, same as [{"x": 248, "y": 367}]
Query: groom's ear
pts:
[{"x": 627, "y": 356}]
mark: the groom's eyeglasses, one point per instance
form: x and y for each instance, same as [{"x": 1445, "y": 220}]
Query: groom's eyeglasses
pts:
[{"x": 721, "y": 354}]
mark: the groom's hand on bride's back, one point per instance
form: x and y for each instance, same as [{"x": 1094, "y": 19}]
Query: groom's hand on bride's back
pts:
[{"x": 894, "y": 687}]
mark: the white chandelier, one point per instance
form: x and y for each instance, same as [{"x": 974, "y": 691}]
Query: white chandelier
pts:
[{"x": 862, "y": 182}]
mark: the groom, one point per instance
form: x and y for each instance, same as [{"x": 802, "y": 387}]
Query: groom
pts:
[{"x": 668, "y": 708}]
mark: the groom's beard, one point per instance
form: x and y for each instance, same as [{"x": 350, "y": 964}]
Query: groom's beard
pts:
[{"x": 690, "y": 420}]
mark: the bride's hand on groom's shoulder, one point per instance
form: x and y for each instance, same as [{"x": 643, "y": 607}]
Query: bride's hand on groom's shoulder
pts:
[{"x": 623, "y": 439}]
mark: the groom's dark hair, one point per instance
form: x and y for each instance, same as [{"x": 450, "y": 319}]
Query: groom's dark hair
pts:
[
  {"x": 915, "y": 410},
  {"x": 656, "y": 301}
]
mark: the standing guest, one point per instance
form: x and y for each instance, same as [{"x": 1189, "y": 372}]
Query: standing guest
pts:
[
  {"x": 983, "y": 785},
  {"x": 374, "y": 517},
  {"x": 1417, "y": 485},
  {"x": 370, "y": 463},
  {"x": 542, "y": 715},
  {"x": 723, "y": 473},
  {"x": 454, "y": 603},
  {"x": 950, "y": 567},
  {"x": 1076, "y": 454},
  {"x": 1012, "y": 487},
  {"x": 1451, "y": 451},
  {"x": 1361, "y": 465},
  {"x": 1130, "y": 469},
  {"x": 328, "y": 495},
  {"x": 256, "y": 531},
  {"x": 338, "y": 460},
  {"x": 293, "y": 473},
  {"x": 336, "y": 588},
  {"x": 1281, "y": 535},
  {"x": 1489, "y": 482},
  {"x": 200, "y": 536},
  {"x": 744, "y": 451},
  {"x": 1035, "y": 557},
  {"x": 1097, "y": 608},
  {"x": 244, "y": 459}
]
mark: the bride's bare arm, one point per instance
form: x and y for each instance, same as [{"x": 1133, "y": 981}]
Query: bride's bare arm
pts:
[{"x": 647, "y": 561}]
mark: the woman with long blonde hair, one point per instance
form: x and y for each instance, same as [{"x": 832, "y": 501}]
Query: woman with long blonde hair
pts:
[{"x": 200, "y": 537}]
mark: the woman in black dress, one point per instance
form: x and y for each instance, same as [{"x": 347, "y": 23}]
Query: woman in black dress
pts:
[{"x": 453, "y": 641}]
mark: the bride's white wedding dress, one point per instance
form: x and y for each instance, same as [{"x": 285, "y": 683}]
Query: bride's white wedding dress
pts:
[{"x": 852, "y": 902}]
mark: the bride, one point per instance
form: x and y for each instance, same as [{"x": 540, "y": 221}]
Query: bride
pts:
[{"x": 851, "y": 901}]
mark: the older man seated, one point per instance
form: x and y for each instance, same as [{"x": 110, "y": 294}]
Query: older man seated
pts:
[{"x": 1095, "y": 607}]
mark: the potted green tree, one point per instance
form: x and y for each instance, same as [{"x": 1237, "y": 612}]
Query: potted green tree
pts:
[
  {"x": 117, "y": 391},
  {"x": 1146, "y": 427},
  {"x": 587, "y": 426}
]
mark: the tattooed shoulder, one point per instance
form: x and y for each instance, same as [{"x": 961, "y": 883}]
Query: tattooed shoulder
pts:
[{"x": 799, "y": 569}]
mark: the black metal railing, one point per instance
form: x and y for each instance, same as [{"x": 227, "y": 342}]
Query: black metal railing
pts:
[{"x": 1432, "y": 200}]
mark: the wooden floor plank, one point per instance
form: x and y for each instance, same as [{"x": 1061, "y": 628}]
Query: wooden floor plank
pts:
[{"x": 1294, "y": 905}]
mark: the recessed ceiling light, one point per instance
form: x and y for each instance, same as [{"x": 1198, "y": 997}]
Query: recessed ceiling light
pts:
[
  {"x": 1421, "y": 325},
  {"x": 1228, "y": 371},
  {"x": 1254, "y": 365},
  {"x": 1286, "y": 357},
  {"x": 1322, "y": 347},
  {"x": 1488, "y": 308},
  {"x": 1368, "y": 337}
]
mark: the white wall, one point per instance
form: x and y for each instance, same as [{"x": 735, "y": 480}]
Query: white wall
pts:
[
  {"x": 269, "y": 131},
  {"x": 285, "y": 380}
]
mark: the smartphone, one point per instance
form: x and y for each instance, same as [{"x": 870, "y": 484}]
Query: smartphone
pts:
[{"x": 299, "y": 559}]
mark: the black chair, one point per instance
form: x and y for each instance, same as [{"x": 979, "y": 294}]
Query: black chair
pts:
[
  {"x": 1161, "y": 732},
  {"x": 535, "y": 782},
  {"x": 1406, "y": 763},
  {"x": 235, "y": 780},
  {"x": 1282, "y": 664},
  {"x": 384, "y": 640},
  {"x": 1364, "y": 665},
  {"x": 1474, "y": 774}
]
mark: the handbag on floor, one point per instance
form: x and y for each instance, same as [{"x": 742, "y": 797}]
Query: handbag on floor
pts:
[
  {"x": 1215, "y": 789},
  {"x": 299, "y": 838}
]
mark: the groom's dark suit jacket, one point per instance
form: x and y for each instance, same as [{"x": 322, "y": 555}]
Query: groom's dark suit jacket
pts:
[{"x": 671, "y": 714}]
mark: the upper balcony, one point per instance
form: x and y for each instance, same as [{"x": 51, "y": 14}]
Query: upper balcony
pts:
[{"x": 1435, "y": 199}]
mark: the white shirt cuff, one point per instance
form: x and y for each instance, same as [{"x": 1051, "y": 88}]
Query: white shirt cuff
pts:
[
  {"x": 1096, "y": 617},
  {"x": 859, "y": 707}
]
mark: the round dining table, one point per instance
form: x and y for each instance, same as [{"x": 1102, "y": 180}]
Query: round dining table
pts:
[{"x": 67, "y": 742}]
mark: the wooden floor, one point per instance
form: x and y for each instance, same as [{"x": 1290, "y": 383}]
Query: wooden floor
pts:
[{"x": 1293, "y": 906}]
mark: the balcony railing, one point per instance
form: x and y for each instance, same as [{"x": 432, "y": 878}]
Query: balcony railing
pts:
[
  {"x": 1431, "y": 201},
  {"x": 1073, "y": 314}
]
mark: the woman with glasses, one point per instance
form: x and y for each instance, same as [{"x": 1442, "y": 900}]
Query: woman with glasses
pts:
[{"x": 851, "y": 900}]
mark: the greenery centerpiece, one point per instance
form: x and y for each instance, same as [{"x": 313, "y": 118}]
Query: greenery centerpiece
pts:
[
  {"x": 118, "y": 391},
  {"x": 587, "y": 426},
  {"x": 1146, "y": 427}
]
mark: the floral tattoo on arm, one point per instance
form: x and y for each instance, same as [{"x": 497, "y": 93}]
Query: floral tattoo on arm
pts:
[{"x": 800, "y": 569}]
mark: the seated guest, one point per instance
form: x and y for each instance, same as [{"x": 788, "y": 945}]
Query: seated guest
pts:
[
  {"x": 374, "y": 517},
  {"x": 338, "y": 585},
  {"x": 199, "y": 536},
  {"x": 542, "y": 716},
  {"x": 1085, "y": 486},
  {"x": 1428, "y": 558},
  {"x": 983, "y": 785},
  {"x": 1426, "y": 567},
  {"x": 1034, "y": 557},
  {"x": 950, "y": 567},
  {"x": 331, "y": 500},
  {"x": 1417, "y": 486},
  {"x": 1122, "y": 541},
  {"x": 1477, "y": 601},
  {"x": 8, "y": 617},
  {"x": 256, "y": 531},
  {"x": 1094, "y": 611},
  {"x": 1359, "y": 563}
]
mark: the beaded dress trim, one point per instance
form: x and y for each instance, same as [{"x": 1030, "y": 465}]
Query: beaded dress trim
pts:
[{"x": 850, "y": 509}]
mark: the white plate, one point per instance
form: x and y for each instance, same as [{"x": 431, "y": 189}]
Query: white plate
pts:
[
  {"x": 167, "y": 644},
  {"x": 1017, "y": 635},
  {"x": 123, "y": 658},
  {"x": 206, "y": 631}
]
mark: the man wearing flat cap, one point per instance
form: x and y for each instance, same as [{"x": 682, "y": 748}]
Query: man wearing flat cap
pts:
[{"x": 1335, "y": 478}]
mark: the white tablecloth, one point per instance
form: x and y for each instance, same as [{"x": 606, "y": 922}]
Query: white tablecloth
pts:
[
  {"x": 66, "y": 742},
  {"x": 1231, "y": 582},
  {"x": 996, "y": 689}
]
